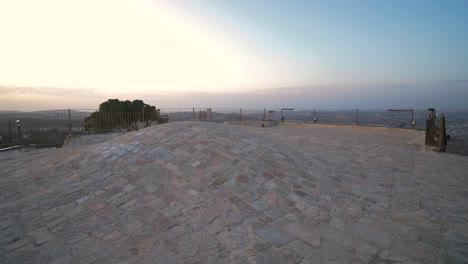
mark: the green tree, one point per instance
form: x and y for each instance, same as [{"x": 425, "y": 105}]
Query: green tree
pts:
[{"x": 116, "y": 114}]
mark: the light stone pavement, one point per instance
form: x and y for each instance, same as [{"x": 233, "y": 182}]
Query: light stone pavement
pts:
[{"x": 194, "y": 192}]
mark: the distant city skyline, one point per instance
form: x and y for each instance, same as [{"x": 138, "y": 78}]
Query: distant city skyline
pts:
[{"x": 263, "y": 53}]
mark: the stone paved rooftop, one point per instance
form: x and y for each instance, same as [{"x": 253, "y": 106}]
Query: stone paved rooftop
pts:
[{"x": 194, "y": 192}]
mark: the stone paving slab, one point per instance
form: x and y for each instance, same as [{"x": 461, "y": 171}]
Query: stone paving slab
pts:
[{"x": 194, "y": 192}]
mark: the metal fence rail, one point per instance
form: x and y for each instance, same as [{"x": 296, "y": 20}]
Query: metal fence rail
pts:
[
  {"x": 388, "y": 118},
  {"x": 178, "y": 114},
  {"x": 76, "y": 119},
  {"x": 51, "y": 127},
  {"x": 91, "y": 121}
]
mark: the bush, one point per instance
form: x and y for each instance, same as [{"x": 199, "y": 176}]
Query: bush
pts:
[{"x": 115, "y": 114}]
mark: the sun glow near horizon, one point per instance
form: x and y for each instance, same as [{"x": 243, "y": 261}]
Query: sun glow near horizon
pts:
[
  {"x": 56, "y": 53},
  {"x": 121, "y": 46}
]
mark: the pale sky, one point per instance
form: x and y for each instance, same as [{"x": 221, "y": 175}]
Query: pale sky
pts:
[{"x": 77, "y": 53}]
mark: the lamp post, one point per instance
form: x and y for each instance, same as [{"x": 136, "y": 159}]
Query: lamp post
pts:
[{"x": 18, "y": 124}]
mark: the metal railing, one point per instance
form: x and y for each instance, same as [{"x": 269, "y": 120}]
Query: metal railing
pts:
[
  {"x": 51, "y": 127},
  {"x": 389, "y": 118},
  {"x": 76, "y": 119},
  {"x": 386, "y": 118},
  {"x": 71, "y": 121}
]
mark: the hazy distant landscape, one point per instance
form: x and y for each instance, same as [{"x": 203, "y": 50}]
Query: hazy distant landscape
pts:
[{"x": 58, "y": 121}]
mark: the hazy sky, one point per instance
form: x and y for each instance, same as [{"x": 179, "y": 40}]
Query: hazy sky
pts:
[{"x": 245, "y": 53}]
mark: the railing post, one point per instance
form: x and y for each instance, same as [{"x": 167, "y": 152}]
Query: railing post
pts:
[
  {"x": 413, "y": 123},
  {"x": 240, "y": 115},
  {"x": 20, "y": 136},
  {"x": 143, "y": 116},
  {"x": 193, "y": 114},
  {"x": 9, "y": 133},
  {"x": 69, "y": 122},
  {"x": 263, "y": 114},
  {"x": 442, "y": 139},
  {"x": 315, "y": 118},
  {"x": 356, "y": 117}
]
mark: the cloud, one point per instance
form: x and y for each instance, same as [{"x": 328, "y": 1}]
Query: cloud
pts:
[
  {"x": 447, "y": 94},
  {"x": 461, "y": 82},
  {"x": 48, "y": 91},
  {"x": 121, "y": 46}
]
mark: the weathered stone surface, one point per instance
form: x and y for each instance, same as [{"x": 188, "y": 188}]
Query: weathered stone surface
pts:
[
  {"x": 390, "y": 256},
  {"x": 190, "y": 245},
  {"x": 304, "y": 234},
  {"x": 112, "y": 236},
  {"x": 18, "y": 244},
  {"x": 365, "y": 251},
  {"x": 41, "y": 235},
  {"x": 274, "y": 235},
  {"x": 302, "y": 248},
  {"x": 279, "y": 256},
  {"x": 193, "y": 192},
  {"x": 233, "y": 238}
]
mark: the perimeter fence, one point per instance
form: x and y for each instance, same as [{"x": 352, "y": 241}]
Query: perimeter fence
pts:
[
  {"x": 404, "y": 118},
  {"x": 49, "y": 128},
  {"x": 52, "y": 126}
]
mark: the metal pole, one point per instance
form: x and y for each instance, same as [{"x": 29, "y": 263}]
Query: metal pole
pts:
[
  {"x": 193, "y": 114},
  {"x": 126, "y": 116},
  {"x": 19, "y": 133},
  {"x": 143, "y": 116},
  {"x": 9, "y": 133},
  {"x": 315, "y": 118},
  {"x": 240, "y": 115},
  {"x": 69, "y": 122},
  {"x": 263, "y": 114},
  {"x": 135, "y": 119},
  {"x": 113, "y": 123},
  {"x": 356, "y": 117},
  {"x": 413, "y": 123},
  {"x": 101, "y": 121}
]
